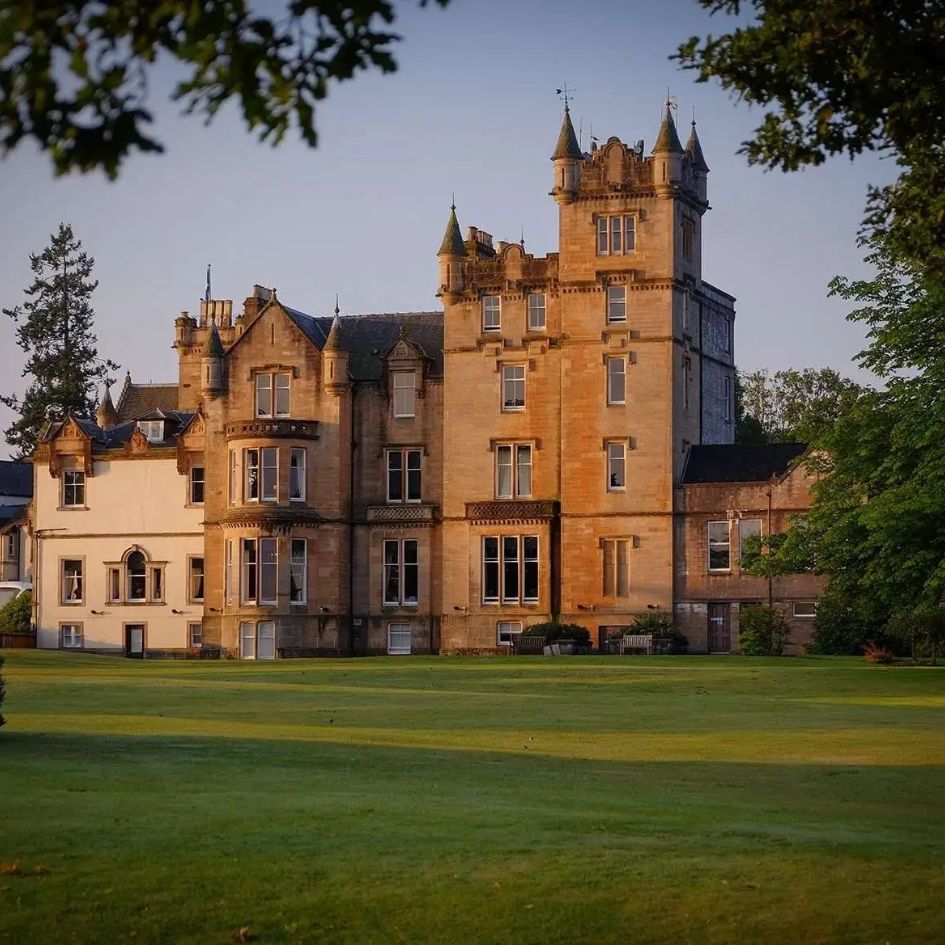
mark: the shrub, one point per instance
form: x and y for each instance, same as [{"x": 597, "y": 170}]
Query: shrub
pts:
[
  {"x": 764, "y": 631},
  {"x": 877, "y": 654},
  {"x": 15, "y": 615},
  {"x": 844, "y": 626},
  {"x": 557, "y": 632},
  {"x": 920, "y": 632}
]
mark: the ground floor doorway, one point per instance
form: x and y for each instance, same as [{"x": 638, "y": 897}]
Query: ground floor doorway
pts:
[
  {"x": 135, "y": 640},
  {"x": 720, "y": 628}
]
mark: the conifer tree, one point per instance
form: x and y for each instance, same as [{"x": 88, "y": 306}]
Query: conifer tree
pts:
[{"x": 55, "y": 331}]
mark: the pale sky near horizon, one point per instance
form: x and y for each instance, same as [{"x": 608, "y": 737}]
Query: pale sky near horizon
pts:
[{"x": 472, "y": 111}]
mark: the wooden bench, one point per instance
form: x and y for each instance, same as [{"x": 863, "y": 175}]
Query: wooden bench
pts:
[{"x": 641, "y": 641}]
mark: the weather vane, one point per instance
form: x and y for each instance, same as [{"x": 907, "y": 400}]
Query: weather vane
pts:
[{"x": 565, "y": 93}]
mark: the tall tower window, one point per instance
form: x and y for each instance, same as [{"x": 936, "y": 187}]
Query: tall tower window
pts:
[
  {"x": 616, "y": 567},
  {"x": 616, "y": 466},
  {"x": 513, "y": 470},
  {"x": 616, "y": 381},
  {"x": 616, "y": 303},
  {"x": 513, "y": 386},
  {"x": 405, "y": 390},
  {"x": 616, "y": 235},
  {"x": 688, "y": 237},
  {"x": 491, "y": 312}
]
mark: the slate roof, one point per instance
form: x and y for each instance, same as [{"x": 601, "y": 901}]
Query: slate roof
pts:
[
  {"x": 367, "y": 338},
  {"x": 175, "y": 423},
  {"x": 667, "y": 139},
  {"x": 138, "y": 399},
  {"x": 567, "y": 145},
  {"x": 16, "y": 478},
  {"x": 739, "y": 462},
  {"x": 9, "y": 514}
]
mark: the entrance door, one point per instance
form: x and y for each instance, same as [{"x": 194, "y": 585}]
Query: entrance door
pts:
[
  {"x": 720, "y": 634},
  {"x": 134, "y": 641}
]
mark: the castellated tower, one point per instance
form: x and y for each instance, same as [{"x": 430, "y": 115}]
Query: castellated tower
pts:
[{"x": 575, "y": 383}]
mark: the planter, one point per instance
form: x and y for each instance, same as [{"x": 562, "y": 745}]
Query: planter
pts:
[{"x": 18, "y": 641}]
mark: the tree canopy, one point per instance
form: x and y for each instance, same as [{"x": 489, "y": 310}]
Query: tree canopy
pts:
[
  {"x": 74, "y": 75},
  {"x": 55, "y": 330},
  {"x": 844, "y": 78}
]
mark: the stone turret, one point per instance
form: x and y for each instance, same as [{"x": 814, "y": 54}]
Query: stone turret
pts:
[
  {"x": 451, "y": 254},
  {"x": 211, "y": 364},
  {"x": 567, "y": 159},
  {"x": 700, "y": 169},
  {"x": 667, "y": 157},
  {"x": 335, "y": 358},
  {"x": 106, "y": 416}
]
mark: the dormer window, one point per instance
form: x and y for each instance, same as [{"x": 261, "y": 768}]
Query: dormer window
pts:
[
  {"x": 152, "y": 429},
  {"x": 272, "y": 395}
]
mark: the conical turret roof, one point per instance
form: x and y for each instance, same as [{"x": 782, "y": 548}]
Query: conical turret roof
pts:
[
  {"x": 213, "y": 347},
  {"x": 452, "y": 244},
  {"x": 694, "y": 150},
  {"x": 333, "y": 342},
  {"x": 567, "y": 146},
  {"x": 106, "y": 415},
  {"x": 668, "y": 139}
]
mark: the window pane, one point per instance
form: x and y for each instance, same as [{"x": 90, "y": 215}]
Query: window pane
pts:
[
  {"x": 266, "y": 640},
  {"x": 602, "y": 236},
  {"x": 268, "y": 570},
  {"x": 195, "y": 634},
  {"x": 72, "y": 581},
  {"x": 298, "y": 571},
  {"x": 391, "y": 572},
  {"x": 234, "y": 478},
  {"x": 196, "y": 485},
  {"x": 513, "y": 387},
  {"x": 629, "y": 234},
  {"x": 510, "y": 590},
  {"x": 490, "y": 569},
  {"x": 270, "y": 473},
  {"x": 746, "y": 528},
  {"x": 506, "y": 630},
  {"x": 228, "y": 571},
  {"x": 617, "y": 303},
  {"x": 491, "y": 309},
  {"x": 719, "y": 549},
  {"x": 414, "y": 459},
  {"x": 137, "y": 576},
  {"x": 282, "y": 395},
  {"x": 196, "y": 578},
  {"x": 395, "y": 476},
  {"x": 249, "y": 570},
  {"x": 616, "y": 472},
  {"x": 404, "y": 393},
  {"x": 524, "y": 470},
  {"x": 157, "y": 584},
  {"x": 411, "y": 572},
  {"x": 114, "y": 584},
  {"x": 616, "y": 244},
  {"x": 530, "y": 576},
  {"x": 503, "y": 460},
  {"x": 536, "y": 311},
  {"x": 263, "y": 395},
  {"x": 297, "y": 474},
  {"x": 247, "y": 641},
  {"x": 251, "y": 466},
  {"x": 399, "y": 641},
  {"x": 616, "y": 380}
]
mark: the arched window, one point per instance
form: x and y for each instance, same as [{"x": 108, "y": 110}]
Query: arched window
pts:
[{"x": 137, "y": 576}]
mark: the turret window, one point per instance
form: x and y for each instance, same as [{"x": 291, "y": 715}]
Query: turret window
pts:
[
  {"x": 491, "y": 313},
  {"x": 616, "y": 303},
  {"x": 616, "y": 235},
  {"x": 272, "y": 395},
  {"x": 536, "y": 311}
]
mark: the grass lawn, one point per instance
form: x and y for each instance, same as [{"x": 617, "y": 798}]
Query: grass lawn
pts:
[{"x": 424, "y": 800}]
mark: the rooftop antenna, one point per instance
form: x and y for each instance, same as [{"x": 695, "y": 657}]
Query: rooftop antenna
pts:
[{"x": 565, "y": 93}]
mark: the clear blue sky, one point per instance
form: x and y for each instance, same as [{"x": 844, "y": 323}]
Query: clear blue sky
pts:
[{"x": 472, "y": 110}]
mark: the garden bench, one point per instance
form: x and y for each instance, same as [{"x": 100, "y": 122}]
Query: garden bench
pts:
[{"x": 641, "y": 641}]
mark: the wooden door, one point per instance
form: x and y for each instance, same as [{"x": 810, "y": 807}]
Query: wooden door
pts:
[
  {"x": 720, "y": 632},
  {"x": 134, "y": 641}
]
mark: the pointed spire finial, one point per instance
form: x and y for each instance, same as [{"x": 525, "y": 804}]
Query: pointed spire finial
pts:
[
  {"x": 337, "y": 310},
  {"x": 668, "y": 139},
  {"x": 333, "y": 341},
  {"x": 106, "y": 416},
  {"x": 694, "y": 150},
  {"x": 452, "y": 244},
  {"x": 567, "y": 146}
]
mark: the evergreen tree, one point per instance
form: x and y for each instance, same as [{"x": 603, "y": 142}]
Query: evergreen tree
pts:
[{"x": 55, "y": 331}]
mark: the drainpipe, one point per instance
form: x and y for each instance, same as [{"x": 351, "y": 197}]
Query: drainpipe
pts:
[
  {"x": 351, "y": 480},
  {"x": 770, "y": 578}
]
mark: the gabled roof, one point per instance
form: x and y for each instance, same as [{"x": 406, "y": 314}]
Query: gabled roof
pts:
[
  {"x": 739, "y": 462},
  {"x": 16, "y": 479},
  {"x": 137, "y": 399}
]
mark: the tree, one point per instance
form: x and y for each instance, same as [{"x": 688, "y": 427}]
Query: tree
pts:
[
  {"x": 55, "y": 330},
  {"x": 16, "y": 614},
  {"x": 763, "y": 631},
  {"x": 791, "y": 406},
  {"x": 844, "y": 78},
  {"x": 73, "y": 75}
]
